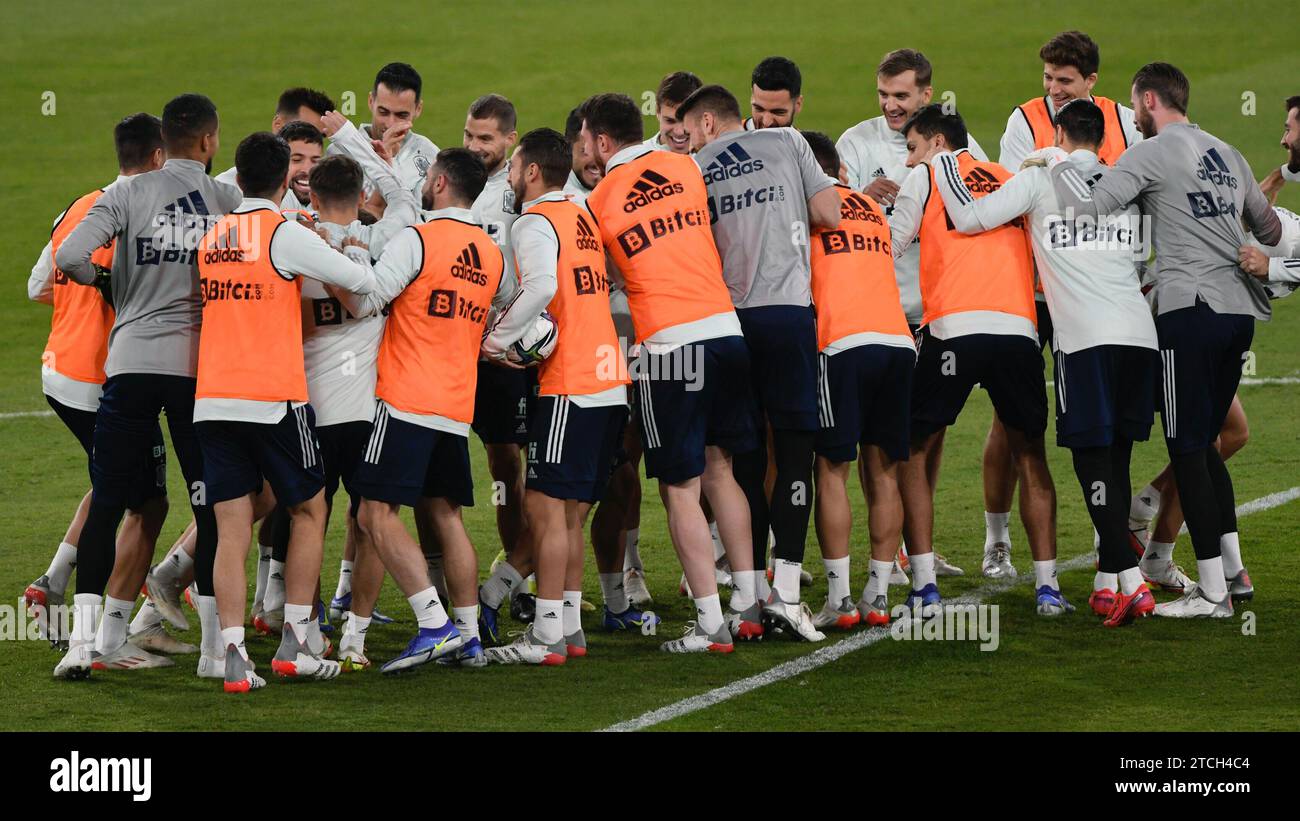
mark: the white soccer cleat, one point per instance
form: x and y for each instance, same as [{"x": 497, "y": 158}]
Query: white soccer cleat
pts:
[
  {"x": 943, "y": 567},
  {"x": 167, "y": 598},
  {"x": 1196, "y": 605},
  {"x": 211, "y": 667},
  {"x": 75, "y": 664},
  {"x": 295, "y": 660},
  {"x": 128, "y": 657},
  {"x": 792, "y": 618},
  {"x": 352, "y": 657},
  {"x": 239, "y": 676},
  {"x": 526, "y": 649},
  {"x": 634, "y": 586},
  {"x": 843, "y": 616},
  {"x": 1166, "y": 574},
  {"x": 156, "y": 639},
  {"x": 695, "y": 640},
  {"x": 997, "y": 562}
]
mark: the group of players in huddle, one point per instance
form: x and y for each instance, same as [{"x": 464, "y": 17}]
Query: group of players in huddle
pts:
[{"x": 748, "y": 308}]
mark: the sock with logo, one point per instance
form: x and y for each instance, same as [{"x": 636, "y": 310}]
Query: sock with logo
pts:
[
  {"x": 428, "y": 609},
  {"x": 235, "y": 636},
  {"x": 359, "y": 625},
  {"x": 176, "y": 565},
  {"x": 500, "y": 584},
  {"x": 1130, "y": 580},
  {"x": 210, "y": 627},
  {"x": 611, "y": 590},
  {"x": 466, "y": 621},
  {"x": 572, "y": 612},
  {"x": 996, "y": 529},
  {"x": 744, "y": 589},
  {"x": 708, "y": 613},
  {"x": 785, "y": 578},
  {"x": 922, "y": 565},
  {"x": 263, "y": 570},
  {"x": 345, "y": 580},
  {"x": 1157, "y": 552},
  {"x": 86, "y": 611},
  {"x": 112, "y": 626},
  {"x": 298, "y": 617},
  {"x": 1211, "y": 578},
  {"x": 762, "y": 590},
  {"x": 61, "y": 566},
  {"x": 878, "y": 574},
  {"x": 1145, "y": 505},
  {"x": 1045, "y": 574},
  {"x": 632, "y": 549},
  {"x": 148, "y": 617},
  {"x": 1106, "y": 581},
  {"x": 548, "y": 623},
  {"x": 837, "y": 580},
  {"x": 1230, "y": 552},
  {"x": 273, "y": 598}
]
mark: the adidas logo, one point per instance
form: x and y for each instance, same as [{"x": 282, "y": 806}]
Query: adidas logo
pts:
[
  {"x": 879, "y": 172},
  {"x": 586, "y": 237},
  {"x": 469, "y": 267},
  {"x": 650, "y": 187},
  {"x": 114, "y": 614},
  {"x": 1214, "y": 169},
  {"x": 979, "y": 181},
  {"x": 550, "y": 614},
  {"x": 733, "y": 161},
  {"x": 831, "y": 574},
  {"x": 191, "y": 203},
  {"x": 857, "y": 207}
]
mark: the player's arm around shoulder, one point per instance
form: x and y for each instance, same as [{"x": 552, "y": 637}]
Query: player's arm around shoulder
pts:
[
  {"x": 909, "y": 208},
  {"x": 537, "y": 248},
  {"x": 102, "y": 222},
  {"x": 40, "y": 285}
]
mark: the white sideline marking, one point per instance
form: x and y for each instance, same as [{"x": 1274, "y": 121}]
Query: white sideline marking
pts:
[
  {"x": 825, "y": 655},
  {"x": 26, "y": 414},
  {"x": 1252, "y": 381}
]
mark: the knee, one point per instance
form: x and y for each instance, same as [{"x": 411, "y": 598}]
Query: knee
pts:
[
  {"x": 371, "y": 517},
  {"x": 1234, "y": 437}
]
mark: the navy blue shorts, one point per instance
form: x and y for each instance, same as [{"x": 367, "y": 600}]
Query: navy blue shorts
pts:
[
  {"x": 238, "y": 456},
  {"x": 572, "y": 451},
  {"x": 151, "y": 473},
  {"x": 1045, "y": 328},
  {"x": 865, "y": 397},
  {"x": 1201, "y": 355},
  {"x": 404, "y": 462},
  {"x": 503, "y": 404},
  {"x": 1103, "y": 393},
  {"x": 782, "y": 342},
  {"x": 341, "y": 447},
  {"x": 1009, "y": 367},
  {"x": 697, "y": 395}
]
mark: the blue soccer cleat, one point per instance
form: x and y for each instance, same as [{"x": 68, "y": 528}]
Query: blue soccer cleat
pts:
[
  {"x": 1052, "y": 603},
  {"x": 469, "y": 654},
  {"x": 487, "y": 623},
  {"x": 429, "y": 643},
  {"x": 326, "y": 627},
  {"x": 630, "y": 619},
  {"x": 343, "y": 604},
  {"x": 925, "y": 602}
]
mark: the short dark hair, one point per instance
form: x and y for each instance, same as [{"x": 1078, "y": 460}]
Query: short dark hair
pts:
[
  {"x": 823, "y": 149},
  {"x": 906, "y": 59},
  {"x": 187, "y": 118},
  {"x": 294, "y": 100},
  {"x": 676, "y": 87},
  {"x": 548, "y": 148},
  {"x": 778, "y": 74},
  {"x": 573, "y": 125},
  {"x": 932, "y": 119},
  {"x": 463, "y": 170},
  {"x": 262, "y": 163},
  {"x": 1292, "y": 102},
  {"x": 711, "y": 98},
  {"x": 496, "y": 107},
  {"x": 136, "y": 138},
  {"x": 299, "y": 131},
  {"x": 399, "y": 77},
  {"x": 1167, "y": 82},
  {"x": 337, "y": 179},
  {"x": 614, "y": 115},
  {"x": 1083, "y": 122},
  {"x": 1072, "y": 48}
]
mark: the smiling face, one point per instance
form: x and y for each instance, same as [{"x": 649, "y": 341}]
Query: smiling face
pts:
[
  {"x": 1066, "y": 83},
  {"x": 303, "y": 157},
  {"x": 388, "y": 108},
  {"x": 486, "y": 141},
  {"x": 900, "y": 97},
  {"x": 919, "y": 148},
  {"x": 1291, "y": 136},
  {"x": 773, "y": 109},
  {"x": 585, "y": 167},
  {"x": 672, "y": 132}
]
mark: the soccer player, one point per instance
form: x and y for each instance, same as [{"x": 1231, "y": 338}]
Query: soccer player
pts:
[
  {"x": 153, "y": 355},
  {"x": 1197, "y": 189},
  {"x": 865, "y": 367},
  {"x": 977, "y": 328},
  {"x": 251, "y": 410},
  {"x": 1289, "y": 170},
  {"x": 584, "y": 172},
  {"x": 72, "y": 379},
  {"x": 776, "y": 94},
  {"x": 1104, "y": 337},
  {"x": 441, "y": 277},
  {"x": 581, "y": 411},
  {"x": 692, "y": 377},
  {"x": 296, "y": 105},
  {"x": 1070, "y": 63},
  {"x": 765, "y": 186},
  {"x": 673, "y": 88}
]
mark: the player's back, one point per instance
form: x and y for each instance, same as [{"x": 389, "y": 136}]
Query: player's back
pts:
[{"x": 82, "y": 319}]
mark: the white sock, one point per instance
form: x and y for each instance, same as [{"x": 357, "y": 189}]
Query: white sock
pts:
[
  {"x": 503, "y": 581},
  {"x": 273, "y": 598},
  {"x": 744, "y": 591},
  {"x": 428, "y": 610},
  {"x": 298, "y": 617},
  {"x": 177, "y": 564},
  {"x": 837, "y": 579},
  {"x": 209, "y": 627},
  {"x": 235, "y": 636},
  {"x": 1105, "y": 581},
  {"x": 632, "y": 549},
  {"x": 785, "y": 578},
  {"x": 147, "y": 617},
  {"x": 922, "y": 565},
  {"x": 611, "y": 590},
  {"x": 1230, "y": 548},
  {"x": 87, "y": 609},
  {"x": 466, "y": 621},
  {"x": 572, "y": 612},
  {"x": 996, "y": 528},
  {"x": 1211, "y": 578},
  {"x": 112, "y": 626},
  {"x": 877, "y": 579},
  {"x": 1145, "y": 505},
  {"x": 345, "y": 579},
  {"x": 708, "y": 613},
  {"x": 718, "y": 550},
  {"x": 61, "y": 566},
  {"x": 1045, "y": 574},
  {"x": 548, "y": 623},
  {"x": 1130, "y": 580},
  {"x": 762, "y": 590},
  {"x": 263, "y": 570},
  {"x": 359, "y": 625},
  {"x": 1157, "y": 552}
]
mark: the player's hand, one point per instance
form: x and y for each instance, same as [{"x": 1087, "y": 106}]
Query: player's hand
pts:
[
  {"x": 376, "y": 204},
  {"x": 323, "y": 234},
  {"x": 882, "y": 190},
  {"x": 1253, "y": 261},
  {"x": 1272, "y": 185},
  {"x": 331, "y": 122},
  {"x": 393, "y": 137},
  {"x": 381, "y": 151},
  {"x": 355, "y": 242}
]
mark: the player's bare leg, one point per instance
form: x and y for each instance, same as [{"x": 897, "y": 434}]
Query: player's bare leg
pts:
[
  {"x": 833, "y": 521},
  {"x": 999, "y": 492},
  {"x": 916, "y": 479},
  {"x": 694, "y": 546},
  {"x": 731, "y": 511},
  {"x": 441, "y": 519},
  {"x": 1038, "y": 515}
]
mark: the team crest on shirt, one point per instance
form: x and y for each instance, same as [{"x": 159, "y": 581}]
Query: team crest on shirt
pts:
[
  {"x": 508, "y": 200},
  {"x": 422, "y": 164}
]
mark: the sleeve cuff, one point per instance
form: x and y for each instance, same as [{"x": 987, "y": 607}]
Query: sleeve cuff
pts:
[{"x": 1289, "y": 175}]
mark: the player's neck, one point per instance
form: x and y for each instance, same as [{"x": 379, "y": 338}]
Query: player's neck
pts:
[{"x": 1164, "y": 119}]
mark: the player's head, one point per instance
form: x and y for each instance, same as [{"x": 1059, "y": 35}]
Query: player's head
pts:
[
  {"x": 930, "y": 130},
  {"x": 455, "y": 179},
  {"x": 673, "y": 89},
  {"x": 1070, "y": 62},
  {"x": 1160, "y": 93},
  {"x": 337, "y": 189},
  {"x": 540, "y": 164},
  {"x": 584, "y": 166},
  {"x": 1291, "y": 136},
  {"x": 707, "y": 113},
  {"x": 306, "y": 147},
  {"x": 262, "y": 165},
  {"x": 776, "y": 92},
  {"x": 190, "y": 129},
  {"x": 903, "y": 85},
  {"x": 1080, "y": 125},
  {"x": 610, "y": 122},
  {"x": 304, "y": 104},
  {"x": 138, "y": 140},
  {"x": 395, "y": 98},
  {"x": 823, "y": 149},
  {"x": 490, "y": 130}
]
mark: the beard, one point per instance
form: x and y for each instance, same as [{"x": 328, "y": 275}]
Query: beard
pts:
[
  {"x": 1293, "y": 165},
  {"x": 1145, "y": 123},
  {"x": 517, "y": 202},
  {"x": 207, "y": 168}
]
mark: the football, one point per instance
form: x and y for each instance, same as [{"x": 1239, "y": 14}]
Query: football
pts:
[{"x": 537, "y": 342}]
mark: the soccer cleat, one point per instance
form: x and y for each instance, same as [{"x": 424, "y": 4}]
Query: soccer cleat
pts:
[
  {"x": 1166, "y": 575},
  {"x": 843, "y": 617},
  {"x": 237, "y": 673},
  {"x": 352, "y": 657},
  {"x": 747, "y": 624},
  {"x": 575, "y": 645},
  {"x": 997, "y": 562},
  {"x": 1137, "y": 605},
  {"x": 269, "y": 622},
  {"x": 340, "y": 605},
  {"x": 429, "y": 643},
  {"x": 898, "y": 576},
  {"x": 191, "y": 594},
  {"x": 469, "y": 654},
  {"x": 46, "y": 608},
  {"x": 1196, "y": 605},
  {"x": 76, "y": 663},
  {"x": 1051, "y": 602},
  {"x": 326, "y": 624},
  {"x": 294, "y": 659},
  {"x": 634, "y": 585},
  {"x": 943, "y": 567},
  {"x": 926, "y": 602},
  {"x": 158, "y": 640},
  {"x": 1240, "y": 588},
  {"x": 1101, "y": 601},
  {"x": 695, "y": 640},
  {"x": 167, "y": 598},
  {"x": 630, "y": 619},
  {"x": 526, "y": 649},
  {"x": 780, "y": 616},
  {"x": 874, "y": 613},
  {"x": 1138, "y": 538},
  {"x": 127, "y": 657},
  {"x": 523, "y": 607},
  {"x": 805, "y": 579}
]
